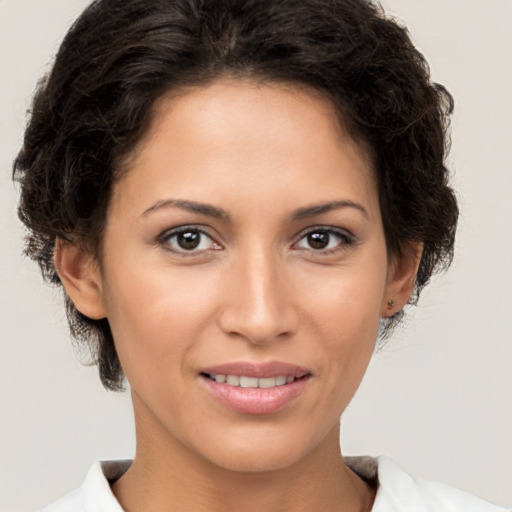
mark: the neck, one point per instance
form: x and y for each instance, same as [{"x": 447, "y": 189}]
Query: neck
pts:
[{"x": 167, "y": 476}]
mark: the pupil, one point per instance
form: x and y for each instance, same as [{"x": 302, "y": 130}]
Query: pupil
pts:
[
  {"x": 189, "y": 240},
  {"x": 318, "y": 240}
]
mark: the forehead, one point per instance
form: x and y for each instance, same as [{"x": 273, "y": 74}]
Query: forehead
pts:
[{"x": 247, "y": 138}]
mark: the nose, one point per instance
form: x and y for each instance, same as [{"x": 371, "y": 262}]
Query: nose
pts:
[{"x": 257, "y": 300}]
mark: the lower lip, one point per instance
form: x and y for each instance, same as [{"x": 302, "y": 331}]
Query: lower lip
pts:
[{"x": 256, "y": 400}]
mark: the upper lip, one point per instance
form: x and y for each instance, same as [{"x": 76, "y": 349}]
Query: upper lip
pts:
[{"x": 259, "y": 370}]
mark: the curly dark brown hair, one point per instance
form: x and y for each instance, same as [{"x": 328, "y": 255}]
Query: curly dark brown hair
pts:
[{"x": 120, "y": 56}]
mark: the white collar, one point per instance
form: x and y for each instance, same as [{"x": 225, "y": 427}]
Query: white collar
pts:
[{"x": 397, "y": 491}]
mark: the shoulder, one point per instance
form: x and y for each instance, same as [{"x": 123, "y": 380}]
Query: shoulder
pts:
[
  {"x": 95, "y": 494},
  {"x": 400, "y": 492}
]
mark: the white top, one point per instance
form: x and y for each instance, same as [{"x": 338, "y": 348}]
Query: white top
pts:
[{"x": 397, "y": 491}]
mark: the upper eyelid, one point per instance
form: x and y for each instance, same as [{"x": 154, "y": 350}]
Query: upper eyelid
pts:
[
  {"x": 205, "y": 230},
  {"x": 165, "y": 236},
  {"x": 329, "y": 229},
  {"x": 347, "y": 241},
  {"x": 183, "y": 228}
]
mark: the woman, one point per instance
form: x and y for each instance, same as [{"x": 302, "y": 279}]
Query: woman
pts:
[{"x": 236, "y": 197}]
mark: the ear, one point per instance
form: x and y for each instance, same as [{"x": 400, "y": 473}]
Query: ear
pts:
[
  {"x": 401, "y": 278},
  {"x": 80, "y": 275}
]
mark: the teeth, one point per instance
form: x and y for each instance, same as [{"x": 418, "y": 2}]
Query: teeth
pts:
[
  {"x": 233, "y": 380},
  {"x": 252, "y": 382},
  {"x": 249, "y": 382},
  {"x": 269, "y": 382}
]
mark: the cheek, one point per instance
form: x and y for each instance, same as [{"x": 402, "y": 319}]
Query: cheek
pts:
[
  {"x": 345, "y": 312},
  {"x": 348, "y": 300},
  {"x": 156, "y": 314}
]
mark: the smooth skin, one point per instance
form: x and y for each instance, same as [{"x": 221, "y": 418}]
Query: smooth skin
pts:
[{"x": 246, "y": 227}]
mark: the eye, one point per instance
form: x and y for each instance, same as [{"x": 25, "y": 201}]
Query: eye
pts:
[
  {"x": 188, "y": 240},
  {"x": 324, "y": 240}
]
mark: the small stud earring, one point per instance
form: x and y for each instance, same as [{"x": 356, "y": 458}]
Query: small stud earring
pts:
[{"x": 391, "y": 303}]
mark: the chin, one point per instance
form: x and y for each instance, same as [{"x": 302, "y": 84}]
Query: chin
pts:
[
  {"x": 259, "y": 452},
  {"x": 259, "y": 461}
]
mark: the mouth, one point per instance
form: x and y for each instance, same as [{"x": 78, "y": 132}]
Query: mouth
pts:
[
  {"x": 255, "y": 388},
  {"x": 245, "y": 381}
]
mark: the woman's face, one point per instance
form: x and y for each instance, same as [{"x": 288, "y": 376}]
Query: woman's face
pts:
[{"x": 246, "y": 241}]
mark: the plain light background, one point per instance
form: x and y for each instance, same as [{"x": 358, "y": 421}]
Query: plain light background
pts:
[{"x": 438, "y": 399}]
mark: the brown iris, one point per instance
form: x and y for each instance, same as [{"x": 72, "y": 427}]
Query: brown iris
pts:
[
  {"x": 319, "y": 239},
  {"x": 188, "y": 240}
]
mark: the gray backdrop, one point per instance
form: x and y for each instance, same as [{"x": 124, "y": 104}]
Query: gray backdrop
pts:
[{"x": 438, "y": 399}]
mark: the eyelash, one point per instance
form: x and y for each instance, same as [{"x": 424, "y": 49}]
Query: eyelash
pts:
[
  {"x": 165, "y": 238},
  {"x": 345, "y": 240}
]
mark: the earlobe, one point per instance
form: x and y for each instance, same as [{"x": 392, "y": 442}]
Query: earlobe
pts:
[
  {"x": 401, "y": 279},
  {"x": 79, "y": 273}
]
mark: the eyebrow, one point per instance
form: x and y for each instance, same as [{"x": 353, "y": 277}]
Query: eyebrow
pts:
[
  {"x": 191, "y": 206},
  {"x": 219, "y": 213},
  {"x": 312, "y": 211}
]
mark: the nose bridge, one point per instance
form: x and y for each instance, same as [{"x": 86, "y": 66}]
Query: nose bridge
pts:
[{"x": 257, "y": 306}]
